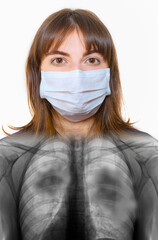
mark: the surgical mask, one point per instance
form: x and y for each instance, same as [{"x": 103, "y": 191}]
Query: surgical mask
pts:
[{"x": 76, "y": 95}]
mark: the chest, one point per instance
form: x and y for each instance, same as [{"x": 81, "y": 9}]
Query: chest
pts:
[{"x": 77, "y": 190}]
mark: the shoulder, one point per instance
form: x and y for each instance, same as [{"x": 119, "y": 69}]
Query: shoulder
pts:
[
  {"x": 138, "y": 135},
  {"x": 21, "y": 140},
  {"x": 142, "y": 148},
  {"x": 14, "y": 146},
  {"x": 141, "y": 143}
]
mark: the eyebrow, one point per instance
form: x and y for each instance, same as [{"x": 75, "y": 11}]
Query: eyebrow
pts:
[{"x": 52, "y": 52}]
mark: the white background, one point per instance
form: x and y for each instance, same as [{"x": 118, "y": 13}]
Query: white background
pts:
[{"x": 134, "y": 28}]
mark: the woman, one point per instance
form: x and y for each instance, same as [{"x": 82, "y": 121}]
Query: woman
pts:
[{"x": 77, "y": 170}]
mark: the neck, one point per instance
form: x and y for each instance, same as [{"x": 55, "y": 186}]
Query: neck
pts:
[{"x": 66, "y": 128}]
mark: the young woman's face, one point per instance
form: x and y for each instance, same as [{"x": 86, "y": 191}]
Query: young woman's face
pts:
[{"x": 72, "y": 55}]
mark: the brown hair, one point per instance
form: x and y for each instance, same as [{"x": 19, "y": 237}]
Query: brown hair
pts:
[{"x": 53, "y": 31}]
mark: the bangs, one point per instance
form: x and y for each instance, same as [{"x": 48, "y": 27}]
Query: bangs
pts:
[{"x": 94, "y": 33}]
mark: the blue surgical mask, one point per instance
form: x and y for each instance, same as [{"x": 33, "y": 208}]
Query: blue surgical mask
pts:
[{"x": 76, "y": 95}]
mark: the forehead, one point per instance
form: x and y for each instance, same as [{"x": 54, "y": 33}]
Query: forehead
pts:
[
  {"x": 74, "y": 43},
  {"x": 74, "y": 39}
]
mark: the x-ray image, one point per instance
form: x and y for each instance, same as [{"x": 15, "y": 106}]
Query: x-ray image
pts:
[{"x": 93, "y": 189}]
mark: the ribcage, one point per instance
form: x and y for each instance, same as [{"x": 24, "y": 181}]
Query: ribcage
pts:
[{"x": 79, "y": 190}]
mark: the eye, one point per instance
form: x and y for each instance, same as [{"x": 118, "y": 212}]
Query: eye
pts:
[
  {"x": 57, "y": 60},
  {"x": 93, "y": 60}
]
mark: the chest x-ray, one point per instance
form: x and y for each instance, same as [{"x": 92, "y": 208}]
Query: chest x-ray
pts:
[{"x": 79, "y": 189}]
